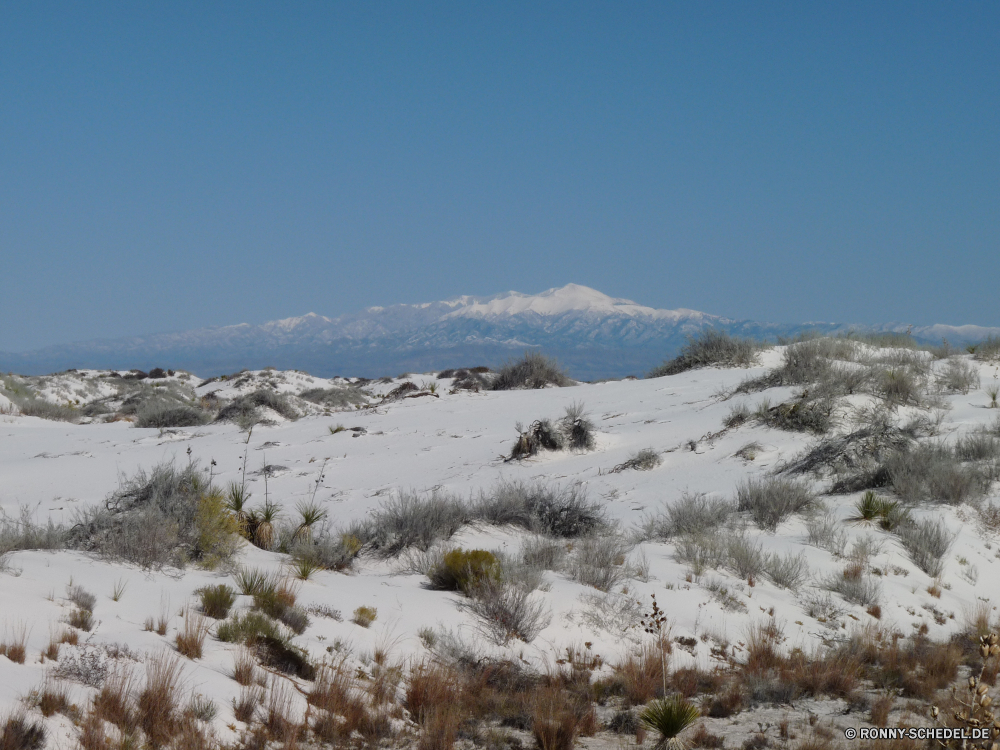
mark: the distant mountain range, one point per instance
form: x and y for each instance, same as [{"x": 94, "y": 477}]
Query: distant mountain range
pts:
[{"x": 593, "y": 335}]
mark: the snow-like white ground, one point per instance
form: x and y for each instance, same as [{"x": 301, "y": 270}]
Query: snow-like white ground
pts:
[{"x": 456, "y": 442}]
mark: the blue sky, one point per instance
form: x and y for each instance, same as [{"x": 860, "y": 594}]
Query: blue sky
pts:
[{"x": 166, "y": 166}]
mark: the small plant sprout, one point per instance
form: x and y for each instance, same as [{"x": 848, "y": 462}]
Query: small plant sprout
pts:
[
  {"x": 993, "y": 391},
  {"x": 334, "y": 429},
  {"x": 119, "y": 589}
]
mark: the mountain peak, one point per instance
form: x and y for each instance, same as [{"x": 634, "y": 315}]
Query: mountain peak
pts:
[{"x": 568, "y": 299}]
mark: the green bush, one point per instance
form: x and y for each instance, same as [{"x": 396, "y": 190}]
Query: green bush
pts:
[
  {"x": 462, "y": 570},
  {"x": 217, "y": 600}
]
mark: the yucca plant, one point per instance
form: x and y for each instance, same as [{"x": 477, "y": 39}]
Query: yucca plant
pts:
[
  {"x": 893, "y": 515},
  {"x": 237, "y": 498},
  {"x": 869, "y": 508},
  {"x": 993, "y": 391},
  {"x": 253, "y": 581},
  {"x": 263, "y": 522},
  {"x": 311, "y": 514},
  {"x": 669, "y": 717},
  {"x": 303, "y": 567}
]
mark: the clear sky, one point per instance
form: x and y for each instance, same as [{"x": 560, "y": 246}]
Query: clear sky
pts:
[{"x": 172, "y": 165}]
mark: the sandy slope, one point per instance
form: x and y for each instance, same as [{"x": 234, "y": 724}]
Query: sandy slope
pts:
[{"x": 455, "y": 442}]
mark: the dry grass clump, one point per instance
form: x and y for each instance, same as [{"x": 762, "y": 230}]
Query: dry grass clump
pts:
[
  {"x": 20, "y": 733},
  {"x": 52, "y": 698},
  {"x": 157, "y": 703},
  {"x": 15, "y": 645},
  {"x": 191, "y": 638},
  {"x": 639, "y": 676},
  {"x": 216, "y": 601}
]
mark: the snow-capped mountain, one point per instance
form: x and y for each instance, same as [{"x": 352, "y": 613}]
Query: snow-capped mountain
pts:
[{"x": 592, "y": 334}]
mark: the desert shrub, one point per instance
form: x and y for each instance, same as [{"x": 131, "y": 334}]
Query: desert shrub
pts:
[
  {"x": 738, "y": 415},
  {"x": 825, "y": 532},
  {"x": 543, "y": 553},
  {"x": 533, "y": 370},
  {"x": 770, "y": 500},
  {"x": 81, "y": 597},
  {"x": 855, "y": 586},
  {"x": 31, "y": 406},
  {"x": 577, "y": 428},
  {"x": 987, "y": 350},
  {"x": 932, "y": 472},
  {"x": 574, "y": 431},
  {"x": 23, "y": 533},
  {"x": 744, "y": 557},
  {"x": 267, "y": 639},
  {"x": 460, "y": 570},
  {"x": 711, "y": 347},
  {"x": 507, "y": 611},
  {"x": 325, "y": 551},
  {"x": 788, "y": 572},
  {"x": 279, "y": 603},
  {"x": 554, "y": 511},
  {"x": 860, "y": 453},
  {"x": 926, "y": 542},
  {"x": 166, "y": 517},
  {"x": 335, "y": 398},
  {"x": 412, "y": 521},
  {"x": 20, "y": 733},
  {"x": 958, "y": 376},
  {"x": 164, "y": 413},
  {"x": 364, "y": 616},
  {"x": 977, "y": 447},
  {"x": 540, "y": 435},
  {"x": 244, "y": 409},
  {"x": 801, "y": 415},
  {"x": 248, "y": 628},
  {"x": 82, "y": 619},
  {"x": 899, "y": 387},
  {"x": 693, "y": 514},
  {"x": 701, "y": 551},
  {"x": 599, "y": 561},
  {"x": 643, "y": 460},
  {"x": 216, "y": 601}
]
